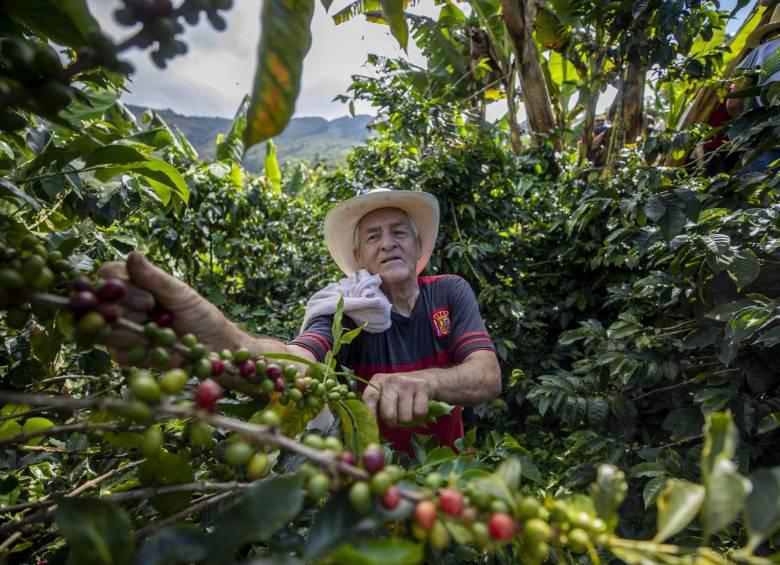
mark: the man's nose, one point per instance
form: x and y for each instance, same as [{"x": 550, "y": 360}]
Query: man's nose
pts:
[{"x": 388, "y": 241}]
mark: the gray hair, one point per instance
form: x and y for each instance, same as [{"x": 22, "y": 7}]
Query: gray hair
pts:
[{"x": 356, "y": 236}]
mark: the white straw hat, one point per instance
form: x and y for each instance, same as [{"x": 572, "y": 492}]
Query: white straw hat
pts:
[{"x": 340, "y": 223}]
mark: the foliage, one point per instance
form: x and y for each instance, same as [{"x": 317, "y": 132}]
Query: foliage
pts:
[{"x": 635, "y": 313}]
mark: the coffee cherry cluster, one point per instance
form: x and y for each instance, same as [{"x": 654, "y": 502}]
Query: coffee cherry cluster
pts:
[
  {"x": 160, "y": 24},
  {"x": 95, "y": 307},
  {"x": 37, "y": 68},
  {"x": 30, "y": 265}
]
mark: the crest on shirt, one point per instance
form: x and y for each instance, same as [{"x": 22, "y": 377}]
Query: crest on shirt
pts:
[{"x": 441, "y": 322}]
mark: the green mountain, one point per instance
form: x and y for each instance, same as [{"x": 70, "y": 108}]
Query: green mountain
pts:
[{"x": 305, "y": 139}]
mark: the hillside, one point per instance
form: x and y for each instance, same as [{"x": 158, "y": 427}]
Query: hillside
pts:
[{"x": 305, "y": 139}]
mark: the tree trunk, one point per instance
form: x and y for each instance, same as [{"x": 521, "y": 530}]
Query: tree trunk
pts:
[
  {"x": 633, "y": 102},
  {"x": 519, "y": 17}
]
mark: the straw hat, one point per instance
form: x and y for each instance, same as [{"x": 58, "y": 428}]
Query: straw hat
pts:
[
  {"x": 342, "y": 219},
  {"x": 754, "y": 39}
]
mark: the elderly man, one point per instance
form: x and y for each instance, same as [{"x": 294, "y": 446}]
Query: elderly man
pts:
[{"x": 435, "y": 345}]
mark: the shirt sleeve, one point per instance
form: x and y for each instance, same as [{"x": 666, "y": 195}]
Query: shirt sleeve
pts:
[
  {"x": 468, "y": 332},
  {"x": 317, "y": 337}
]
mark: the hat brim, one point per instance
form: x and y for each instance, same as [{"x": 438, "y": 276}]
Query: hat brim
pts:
[
  {"x": 340, "y": 223},
  {"x": 755, "y": 37}
]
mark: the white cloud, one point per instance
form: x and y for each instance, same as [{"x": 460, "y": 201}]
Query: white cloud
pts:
[{"x": 212, "y": 78}]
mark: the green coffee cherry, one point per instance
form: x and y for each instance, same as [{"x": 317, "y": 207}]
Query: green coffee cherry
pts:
[
  {"x": 16, "y": 318},
  {"x": 258, "y": 466},
  {"x": 145, "y": 387},
  {"x": 200, "y": 434},
  {"x": 152, "y": 442},
  {"x": 10, "y": 280},
  {"x": 137, "y": 355},
  {"x": 173, "y": 381},
  {"x": 238, "y": 453},
  {"x": 318, "y": 485},
  {"x": 360, "y": 497}
]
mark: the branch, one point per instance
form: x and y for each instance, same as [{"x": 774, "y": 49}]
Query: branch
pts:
[
  {"x": 68, "y": 428},
  {"x": 199, "y": 505},
  {"x": 78, "y": 490},
  {"x": 230, "y": 379}
]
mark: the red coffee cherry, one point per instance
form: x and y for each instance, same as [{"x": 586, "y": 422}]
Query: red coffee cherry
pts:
[
  {"x": 425, "y": 514},
  {"x": 501, "y": 526},
  {"x": 207, "y": 394},
  {"x": 373, "y": 459},
  {"x": 246, "y": 368},
  {"x": 163, "y": 318},
  {"x": 348, "y": 458},
  {"x": 110, "y": 311},
  {"x": 451, "y": 502},
  {"x": 273, "y": 371},
  {"x": 112, "y": 290},
  {"x": 391, "y": 498},
  {"x": 217, "y": 367},
  {"x": 83, "y": 301}
]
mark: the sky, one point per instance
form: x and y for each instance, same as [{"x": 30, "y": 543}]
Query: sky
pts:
[
  {"x": 216, "y": 73},
  {"x": 212, "y": 78}
]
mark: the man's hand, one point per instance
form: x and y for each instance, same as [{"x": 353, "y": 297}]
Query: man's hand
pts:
[
  {"x": 148, "y": 286},
  {"x": 399, "y": 398}
]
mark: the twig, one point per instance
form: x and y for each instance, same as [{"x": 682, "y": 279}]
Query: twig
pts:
[
  {"x": 66, "y": 377},
  {"x": 9, "y": 540},
  {"x": 44, "y": 501},
  {"x": 97, "y": 480},
  {"x": 229, "y": 379},
  {"x": 66, "y": 429},
  {"x": 199, "y": 505}
]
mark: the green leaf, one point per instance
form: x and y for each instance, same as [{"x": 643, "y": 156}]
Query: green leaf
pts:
[
  {"x": 358, "y": 423},
  {"x": 232, "y": 147},
  {"x": 163, "y": 470},
  {"x": 393, "y": 13},
  {"x": 285, "y": 40},
  {"x": 36, "y": 425},
  {"x": 720, "y": 441},
  {"x": 769, "y": 423},
  {"x": 118, "y": 159},
  {"x": 9, "y": 191},
  {"x": 294, "y": 419},
  {"x": 354, "y": 9},
  {"x": 608, "y": 492},
  {"x": 272, "y": 172},
  {"x": 67, "y": 22},
  {"x": 762, "y": 511},
  {"x": 653, "y": 489},
  {"x": 176, "y": 544},
  {"x": 510, "y": 472},
  {"x": 98, "y": 532},
  {"x": 726, "y": 493},
  {"x": 677, "y": 504},
  {"x": 255, "y": 515},
  {"x": 100, "y": 100},
  {"x": 392, "y": 551},
  {"x": 744, "y": 268}
]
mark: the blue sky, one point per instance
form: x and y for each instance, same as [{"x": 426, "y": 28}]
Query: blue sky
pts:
[{"x": 213, "y": 77}]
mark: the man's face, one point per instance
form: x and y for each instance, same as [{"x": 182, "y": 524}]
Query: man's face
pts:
[{"x": 387, "y": 246}]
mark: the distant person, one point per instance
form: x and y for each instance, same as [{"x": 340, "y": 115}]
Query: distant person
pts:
[{"x": 764, "y": 58}]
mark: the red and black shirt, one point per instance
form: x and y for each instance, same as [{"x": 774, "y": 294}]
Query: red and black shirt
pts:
[{"x": 442, "y": 330}]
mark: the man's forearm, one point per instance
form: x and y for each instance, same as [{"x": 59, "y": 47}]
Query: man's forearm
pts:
[
  {"x": 476, "y": 380},
  {"x": 237, "y": 338}
]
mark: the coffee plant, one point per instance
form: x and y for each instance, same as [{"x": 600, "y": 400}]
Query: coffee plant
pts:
[{"x": 634, "y": 308}]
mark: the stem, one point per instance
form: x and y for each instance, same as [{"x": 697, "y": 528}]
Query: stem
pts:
[
  {"x": 260, "y": 434},
  {"x": 199, "y": 505},
  {"x": 68, "y": 428},
  {"x": 229, "y": 379}
]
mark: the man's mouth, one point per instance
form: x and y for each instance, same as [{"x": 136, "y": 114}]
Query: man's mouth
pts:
[{"x": 384, "y": 261}]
